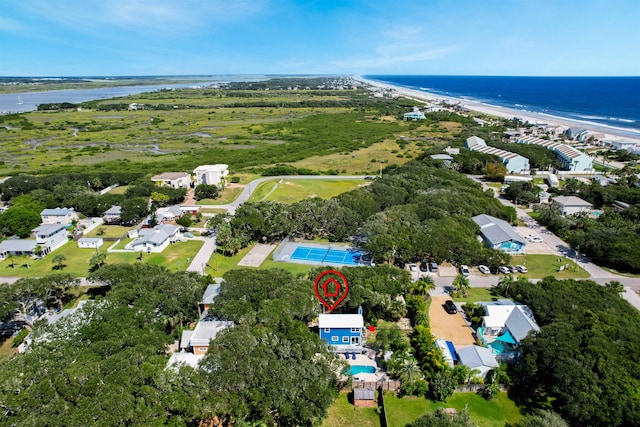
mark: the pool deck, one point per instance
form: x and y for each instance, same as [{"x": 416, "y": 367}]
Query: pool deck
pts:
[{"x": 364, "y": 360}]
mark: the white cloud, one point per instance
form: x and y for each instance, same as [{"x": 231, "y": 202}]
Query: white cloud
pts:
[{"x": 388, "y": 57}]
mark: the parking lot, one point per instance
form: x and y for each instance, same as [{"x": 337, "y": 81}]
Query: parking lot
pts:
[{"x": 535, "y": 248}]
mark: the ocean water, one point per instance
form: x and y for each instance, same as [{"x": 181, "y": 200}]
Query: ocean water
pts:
[{"x": 606, "y": 101}]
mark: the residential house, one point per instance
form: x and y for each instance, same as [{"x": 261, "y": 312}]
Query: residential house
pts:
[
  {"x": 211, "y": 174},
  {"x": 343, "y": 332},
  {"x": 570, "y": 205},
  {"x": 479, "y": 358},
  {"x": 155, "y": 239},
  {"x": 50, "y": 236},
  {"x": 58, "y": 216},
  {"x": 197, "y": 341},
  {"x": 212, "y": 291},
  {"x": 514, "y": 163},
  {"x": 112, "y": 215},
  {"x": 173, "y": 179},
  {"x": 168, "y": 214},
  {"x": 498, "y": 234},
  {"x": 444, "y": 158},
  {"x": 508, "y": 321},
  {"x": 90, "y": 242},
  {"x": 573, "y": 132},
  {"x": 17, "y": 247},
  {"x": 416, "y": 114},
  {"x": 624, "y": 144}
]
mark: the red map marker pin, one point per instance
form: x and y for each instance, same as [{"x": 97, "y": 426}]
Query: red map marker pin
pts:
[{"x": 331, "y": 288}]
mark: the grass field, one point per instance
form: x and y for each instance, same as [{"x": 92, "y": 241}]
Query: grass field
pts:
[
  {"x": 119, "y": 190},
  {"x": 174, "y": 258},
  {"x": 540, "y": 266},
  {"x": 476, "y": 295},
  {"x": 342, "y": 413},
  {"x": 291, "y": 191},
  {"x": 228, "y": 195},
  {"x": 493, "y": 413},
  {"x": 109, "y": 231}
]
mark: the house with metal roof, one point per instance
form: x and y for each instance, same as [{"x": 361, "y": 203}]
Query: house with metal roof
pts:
[
  {"x": 342, "y": 332},
  {"x": 479, "y": 358},
  {"x": 90, "y": 242},
  {"x": 50, "y": 236},
  {"x": 498, "y": 234},
  {"x": 506, "y": 318},
  {"x": 570, "y": 205},
  {"x": 571, "y": 158},
  {"x": 514, "y": 163},
  {"x": 155, "y": 239},
  {"x": 112, "y": 215},
  {"x": 58, "y": 216},
  {"x": 212, "y": 291},
  {"x": 197, "y": 341}
]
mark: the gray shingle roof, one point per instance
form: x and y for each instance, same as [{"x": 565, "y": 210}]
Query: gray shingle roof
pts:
[
  {"x": 18, "y": 245},
  {"x": 48, "y": 229},
  {"x": 363, "y": 394},
  {"x": 520, "y": 322},
  {"x": 55, "y": 212}
]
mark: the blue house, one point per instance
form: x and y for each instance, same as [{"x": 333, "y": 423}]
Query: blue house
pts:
[{"x": 343, "y": 332}]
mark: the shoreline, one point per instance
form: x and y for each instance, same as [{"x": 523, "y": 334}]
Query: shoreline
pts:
[{"x": 610, "y": 132}]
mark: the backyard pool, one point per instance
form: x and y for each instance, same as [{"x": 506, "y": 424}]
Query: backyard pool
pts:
[{"x": 360, "y": 369}]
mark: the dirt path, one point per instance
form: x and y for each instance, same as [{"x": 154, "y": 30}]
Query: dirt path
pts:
[{"x": 451, "y": 327}]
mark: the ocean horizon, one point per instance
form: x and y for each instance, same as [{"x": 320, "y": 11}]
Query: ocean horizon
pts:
[{"x": 606, "y": 101}]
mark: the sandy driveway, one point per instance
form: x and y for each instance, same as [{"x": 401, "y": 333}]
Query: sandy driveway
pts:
[{"x": 451, "y": 327}]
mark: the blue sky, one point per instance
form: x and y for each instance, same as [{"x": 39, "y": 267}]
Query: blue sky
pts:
[{"x": 470, "y": 37}]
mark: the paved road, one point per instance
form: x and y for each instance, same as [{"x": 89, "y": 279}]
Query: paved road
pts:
[
  {"x": 203, "y": 256},
  {"x": 251, "y": 187}
]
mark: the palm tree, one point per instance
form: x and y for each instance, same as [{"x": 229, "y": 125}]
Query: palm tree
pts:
[
  {"x": 59, "y": 260},
  {"x": 410, "y": 372},
  {"x": 461, "y": 284},
  {"x": 424, "y": 285},
  {"x": 422, "y": 317}
]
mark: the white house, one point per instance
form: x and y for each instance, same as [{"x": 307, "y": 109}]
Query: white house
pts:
[
  {"x": 416, "y": 114},
  {"x": 50, "y": 236},
  {"x": 168, "y": 214},
  {"x": 173, "y": 179},
  {"x": 90, "y": 242},
  {"x": 479, "y": 358},
  {"x": 211, "y": 174},
  {"x": 58, "y": 216},
  {"x": 17, "y": 247},
  {"x": 112, "y": 215},
  {"x": 506, "y": 318},
  {"x": 514, "y": 163},
  {"x": 624, "y": 144},
  {"x": 155, "y": 239},
  {"x": 569, "y": 205}
]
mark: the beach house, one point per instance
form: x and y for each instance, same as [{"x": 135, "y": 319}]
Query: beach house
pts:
[
  {"x": 570, "y": 205},
  {"x": 154, "y": 239},
  {"x": 498, "y": 234},
  {"x": 504, "y": 318},
  {"x": 50, "y": 236},
  {"x": 58, "y": 216},
  {"x": 342, "y": 332},
  {"x": 112, "y": 215},
  {"x": 414, "y": 115},
  {"x": 173, "y": 179},
  {"x": 477, "y": 358},
  {"x": 197, "y": 341},
  {"x": 514, "y": 163},
  {"x": 211, "y": 174}
]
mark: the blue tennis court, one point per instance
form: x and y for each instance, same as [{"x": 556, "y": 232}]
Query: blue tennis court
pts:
[{"x": 329, "y": 255}]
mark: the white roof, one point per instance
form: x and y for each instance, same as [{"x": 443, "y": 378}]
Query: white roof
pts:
[
  {"x": 207, "y": 330},
  {"x": 571, "y": 201},
  {"x": 497, "y": 315},
  {"x": 183, "y": 358},
  {"x": 340, "y": 321},
  {"x": 90, "y": 239}
]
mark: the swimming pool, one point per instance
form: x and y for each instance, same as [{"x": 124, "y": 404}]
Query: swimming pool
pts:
[
  {"x": 327, "y": 255},
  {"x": 360, "y": 369}
]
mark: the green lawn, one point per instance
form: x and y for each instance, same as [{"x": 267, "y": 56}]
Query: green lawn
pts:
[
  {"x": 299, "y": 189},
  {"x": 174, "y": 257},
  {"x": 493, "y": 413},
  {"x": 119, "y": 190},
  {"x": 476, "y": 295},
  {"x": 343, "y": 413},
  {"x": 228, "y": 195},
  {"x": 108, "y": 231},
  {"x": 540, "y": 266},
  {"x": 262, "y": 190}
]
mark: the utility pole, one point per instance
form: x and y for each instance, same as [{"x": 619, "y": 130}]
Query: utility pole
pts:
[{"x": 577, "y": 255}]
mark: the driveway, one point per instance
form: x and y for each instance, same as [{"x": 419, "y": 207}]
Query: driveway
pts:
[{"x": 451, "y": 327}]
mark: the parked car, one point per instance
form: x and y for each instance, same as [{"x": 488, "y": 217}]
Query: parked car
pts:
[
  {"x": 512, "y": 268},
  {"x": 450, "y": 307},
  {"x": 504, "y": 269},
  {"x": 536, "y": 239},
  {"x": 424, "y": 267},
  {"x": 433, "y": 267},
  {"x": 494, "y": 270},
  {"x": 464, "y": 270},
  {"x": 521, "y": 268},
  {"x": 483, "y": 269},
  {"x": 413, "y": 267}
]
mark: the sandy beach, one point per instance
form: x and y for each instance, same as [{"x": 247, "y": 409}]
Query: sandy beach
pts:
[{"x": 610, "y": 132}]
